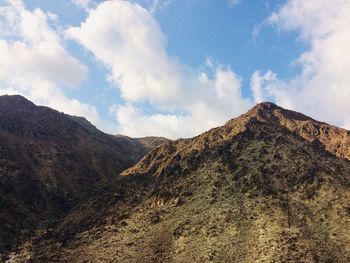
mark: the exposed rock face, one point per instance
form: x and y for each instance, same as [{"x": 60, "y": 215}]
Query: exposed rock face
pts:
[
  {"x": 48, "y": 162},
  {"x": 269, "y": 186}
]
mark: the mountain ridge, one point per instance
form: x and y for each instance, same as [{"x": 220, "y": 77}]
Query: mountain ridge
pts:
[
  {"x": 269, "y": 185},
  {"x": 309, "y": 129}
]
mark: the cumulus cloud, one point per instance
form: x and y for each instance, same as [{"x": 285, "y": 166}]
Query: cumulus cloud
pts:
[
  {"x": 323, "y": 87},
  {"x": 35, "y": 63},
  {"x": 212, "y": 102},
  {"x": 84, "y": 4},
  {"x": 127, "y": 39},
  {"x": 267, "y": 87}
]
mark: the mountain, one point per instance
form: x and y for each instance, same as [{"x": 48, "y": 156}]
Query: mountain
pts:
[
  {"x": 272, "y": 185},
  {"x": 49, "y": 162},
  {"x": 148, "y": 143}
]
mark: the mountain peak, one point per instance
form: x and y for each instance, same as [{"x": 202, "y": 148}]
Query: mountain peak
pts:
[
  {"x": 335, "y": 140},
  {"x": 266, "y": 105},
  {"x": 15, "y": 101},
  {"x": 270, "y": 112}
]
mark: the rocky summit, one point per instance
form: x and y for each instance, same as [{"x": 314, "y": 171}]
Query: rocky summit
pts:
[{"x": 272, "y": 185}]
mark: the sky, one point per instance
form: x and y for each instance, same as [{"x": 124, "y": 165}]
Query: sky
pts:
[{"x": 176, "y": 68}]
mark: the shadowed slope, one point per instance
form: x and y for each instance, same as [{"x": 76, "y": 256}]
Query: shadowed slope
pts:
[{"x": 48, "y": 162}]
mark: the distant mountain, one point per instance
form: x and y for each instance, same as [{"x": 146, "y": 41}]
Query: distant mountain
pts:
[
  {"x": 272, "y": 185},
  {"x": 49, "y": 162},
  {"x": 149, "y": 143}
]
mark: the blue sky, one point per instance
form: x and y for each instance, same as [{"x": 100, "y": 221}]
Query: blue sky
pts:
[{"x": 176, "y": 68}]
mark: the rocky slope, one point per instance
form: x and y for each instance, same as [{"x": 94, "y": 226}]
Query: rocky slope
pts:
[
  {"x": 269, "y": 186},
  {"x": 49, "y": 162}
]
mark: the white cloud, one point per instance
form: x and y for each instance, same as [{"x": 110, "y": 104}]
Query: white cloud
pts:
[
  {"x": 258, "y": 82},
  {"x": 233, "y": 2},
  {"x": 227, "y": 84},
  {"x": 154, "y": 5},
  {"x": 84, "y": 4},
  {"x": 323, "y": 88},
  {"x": 133, "y": 122},
  {"x": 211, "y": 103},
  {"x": 268, "y": 87},
  {"x": 127, "y": 39},
  {"x": 34, "y": 62}
]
